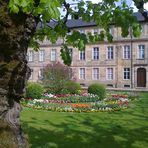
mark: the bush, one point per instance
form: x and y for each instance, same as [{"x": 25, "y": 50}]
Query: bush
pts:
[
  {"x": 56, "y": 75},
  {"x": 34, "y": 90},
  {"x": 73, "y": 87},
  {"x": 97, "y": 89}
]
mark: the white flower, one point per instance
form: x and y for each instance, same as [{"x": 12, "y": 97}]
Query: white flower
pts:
[
  {"x": 92, "y": 109},
  {"x": 123, "y": 99},
  {"x": 50, "y": 95}
]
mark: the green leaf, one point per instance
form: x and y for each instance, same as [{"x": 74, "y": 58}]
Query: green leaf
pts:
[
  {"x": 34, "y": 44},
  {"x": 136, "y": 30},
  {"x": 24, "y": 3},
  {"x": 14, "y": 9},
  {"x": 91, "y": 37},
  {"x": 125, "y": 31},
  {"x": 109, "y": 37},
  {"x": 81, "y": 45},
  {"x": 65, "y": 54}
]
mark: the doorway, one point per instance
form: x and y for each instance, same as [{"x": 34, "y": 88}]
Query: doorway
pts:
[{"x": 141, "y": 77}]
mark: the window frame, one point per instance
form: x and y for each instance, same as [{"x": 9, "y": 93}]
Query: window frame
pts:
[
  {"x": 30, "y": 56},
  {"x": 31, "y": 75},
  {"x": 95, "y": 31},
  {"x": 95, "y": 54},
  {"x": 41, "y": 55},
  {"x": 53, "y": 55},
  {"x": 82, "y": 55},
  {"x": 95, "y": 76},
  {"x": 82, "y": 74},
  {"x": 71, "y": 52},
  {"x": 126, "y": 52},
  {"x": 141, "y": 51},
  {"x": 110, "y": 54},
  {"x": 81, "y": 30},
  {"x": 126, "y": 73},
  {"x": 110, "y": 75},
  {"x": 40, "y": 74}
]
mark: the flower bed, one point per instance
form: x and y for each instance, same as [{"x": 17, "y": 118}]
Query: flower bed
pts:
[
  {"x": 72, "y": 98},
  {"x": 77, "y": 103}
]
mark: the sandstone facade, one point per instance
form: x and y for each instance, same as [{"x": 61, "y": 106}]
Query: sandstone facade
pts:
[{"x": 120, "y": 64}]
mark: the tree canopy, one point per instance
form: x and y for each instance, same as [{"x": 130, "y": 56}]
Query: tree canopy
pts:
[
  {"x": 24, "y": 21},
  {"x": 103, "y": 14}
]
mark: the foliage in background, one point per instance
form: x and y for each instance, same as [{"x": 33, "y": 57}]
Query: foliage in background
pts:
[
  {"x": 97, "y": 89},
  {"x": 56, "y": 75},
  {"x": 34, "y": 90},
  {"x": 105, "y": 13}
]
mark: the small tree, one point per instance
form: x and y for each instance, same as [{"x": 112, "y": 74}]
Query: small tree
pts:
[{"x": 56, "y": 75}]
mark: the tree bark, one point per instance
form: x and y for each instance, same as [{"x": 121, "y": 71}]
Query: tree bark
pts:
[{"x": 16, "y": 31}]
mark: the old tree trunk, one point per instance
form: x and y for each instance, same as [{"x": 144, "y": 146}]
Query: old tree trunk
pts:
[{"x": 15, "y": 33}]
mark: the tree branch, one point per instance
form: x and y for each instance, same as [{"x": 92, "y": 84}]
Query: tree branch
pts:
[
  {"x": 67, "y": 6},
  {"x": 140, "y": 7}
]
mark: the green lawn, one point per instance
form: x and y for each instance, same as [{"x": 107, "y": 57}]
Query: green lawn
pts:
[{"x": 120, "y": 129}]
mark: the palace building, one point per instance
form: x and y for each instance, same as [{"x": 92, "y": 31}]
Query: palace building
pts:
[{"x": 121, "y": 64}]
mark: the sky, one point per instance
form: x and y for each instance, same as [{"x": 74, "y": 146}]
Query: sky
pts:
[{"x": 130, "y": 3}]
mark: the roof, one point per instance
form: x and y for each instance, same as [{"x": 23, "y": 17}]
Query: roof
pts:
[
  {"x": 78, "y": 23},
  {"x": 139, "y": 16},
  {"x": 75, "y": 23}
]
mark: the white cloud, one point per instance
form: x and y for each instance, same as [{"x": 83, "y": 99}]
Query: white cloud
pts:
[
  {"x": 96, "y": 1},
  {"x": 146, "y": 6},
  {"x": 135, "y": 9}
]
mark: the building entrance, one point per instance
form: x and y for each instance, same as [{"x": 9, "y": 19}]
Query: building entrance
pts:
[{"x": 141, "y": 77}]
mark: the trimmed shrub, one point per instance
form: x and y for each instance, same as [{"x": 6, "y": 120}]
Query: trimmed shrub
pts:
[
  {"x": 97, "y": 89},
  {"x": 73, "y": 87},
  {"x": 34, "y": 90}
]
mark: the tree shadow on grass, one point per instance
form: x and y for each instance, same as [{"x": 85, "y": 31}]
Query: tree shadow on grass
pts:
[{"x": 85, "y": 133}]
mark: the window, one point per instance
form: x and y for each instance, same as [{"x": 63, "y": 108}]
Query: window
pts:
[
  {"x": 83, "y": 84},
  {"x": 96, "y": 30},
  {"x": 126, "y": 73},
  {"x": 40, "y": 74},
  {"x": 95, "y": 53},
  {"x": 142, "y": 28},
  {"x": 111, "y": 30},
  {"x": 31, "y": 75},
  {"x": 110, "y": 85},
  {"x": 70, "y": 52},
  {"x": 69, "y": 32},
  {"x": 82, "y": 55},
  {"x": 53, "y": 55},
  {"x": 30, "y": 55},
  {"x": 110, "y": 52},
  {"x": 141, "y": 51},
  {"x": 82, "y": 73},
  {"x": 95, "y": 74},
  {"x": 41, "y": 55},
  {"x": 82, "y": 31},
  {"x": 127, "y": 86},
  {"x": 126, "y": 52},
  {"x": 109, "y": 73}
]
